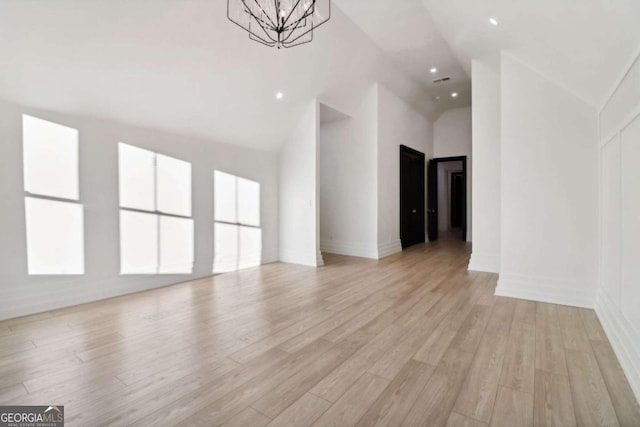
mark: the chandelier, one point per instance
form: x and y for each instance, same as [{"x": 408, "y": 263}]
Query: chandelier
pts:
[{"x": 280, "y": 23}]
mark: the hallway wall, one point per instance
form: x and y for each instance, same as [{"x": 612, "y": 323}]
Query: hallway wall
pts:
[
  {"x": 619, "y": 154},
  {"x": 360, "y": 174},
  {"x": 398, "y": 124},
  {"x": 486, "y": 167},
  {"x": 348, "y": 183},
  {"x": 549, "y": 200},
  {"x": 299, "y": 211}
]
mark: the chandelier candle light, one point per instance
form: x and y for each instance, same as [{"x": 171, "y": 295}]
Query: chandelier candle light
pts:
[{"x": 279, "y": 23}]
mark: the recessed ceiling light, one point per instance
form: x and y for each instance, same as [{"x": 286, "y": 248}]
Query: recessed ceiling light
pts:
[
  {"x": 434, "y": 70},
  {"x": 454, "y": 95},
  {"x": 493, "y": 21},
  {"x": 279, "y": 95}
]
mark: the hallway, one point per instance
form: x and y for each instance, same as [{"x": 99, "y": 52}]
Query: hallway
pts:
[{"x": 414, "y": 339}]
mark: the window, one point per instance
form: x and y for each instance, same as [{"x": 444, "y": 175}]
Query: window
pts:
[
  {"x": 138, "y": 242},
  {"x": 237, "y": 233},
  {"x": 156, "y": 228},
  {"x": 53, "y": 215}
]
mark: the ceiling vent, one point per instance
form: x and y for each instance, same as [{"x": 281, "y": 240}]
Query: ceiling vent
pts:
[{"x": 444, "y": 79}]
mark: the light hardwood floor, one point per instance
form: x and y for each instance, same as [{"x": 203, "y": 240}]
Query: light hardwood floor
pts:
[{"x": 414, "y": 339}]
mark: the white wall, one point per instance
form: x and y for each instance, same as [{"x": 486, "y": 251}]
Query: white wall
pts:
[
  {"x": 451, "y": 138},
  {"x": 22, "y": 294},
  {"x": 299, "y": 209},
  {"x": 486, "y": 168},
  {"x": 444, "y": 192},
  {"x": 348, "y": 184},
  {"x": 619, "y": 291},
  {"x": 549, "y": 197},
  {"x": 360, "y": 174},
  {"x": 398, "y": 124}
]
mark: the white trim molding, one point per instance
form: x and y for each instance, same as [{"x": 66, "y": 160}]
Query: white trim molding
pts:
[
  {"x": 545, "y": 289},
  {"x": 309, "y": 259},
  {"x": 64, "y": 295},
  {"x": 348, "y": 249},
  {"x": 389, "y": 248},
  {"x": 485, "y": 263},
  {"x": 623, "y": 337}
]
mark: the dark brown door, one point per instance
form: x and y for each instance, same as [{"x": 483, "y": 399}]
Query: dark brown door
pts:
[
  {"x": 432, "y": 197},
  {"x": 411, "y": 196}
]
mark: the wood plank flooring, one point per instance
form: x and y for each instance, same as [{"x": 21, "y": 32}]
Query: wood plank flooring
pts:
[{"x": 414, "y": 339}]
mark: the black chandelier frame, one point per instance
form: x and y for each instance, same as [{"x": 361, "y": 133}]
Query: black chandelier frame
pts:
[{"x": 284, "y": 27}]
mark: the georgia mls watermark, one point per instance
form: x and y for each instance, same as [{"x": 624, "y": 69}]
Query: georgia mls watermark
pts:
[{"x": 32, "y": 416}]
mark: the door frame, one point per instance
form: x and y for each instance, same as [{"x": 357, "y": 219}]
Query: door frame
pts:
[
  {"x": 433, "y": 210},
  {"x": 409, "y": 150}
]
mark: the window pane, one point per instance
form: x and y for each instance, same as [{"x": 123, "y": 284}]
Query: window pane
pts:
[
  {"x": 55, "y": 237},
  {"x": 138, "y": 243},
  {"x": 248, "y": 202},
  {"x": 224, "y": 196},
  {"x": 176, "y": 245},
  {"x": 174, "y": 186},
  {"x": 136, "y": 170},
  {"x": 225, "y": 248},
  {"x": 50, "y": 158},
  {"x": 250, "y": 254}
]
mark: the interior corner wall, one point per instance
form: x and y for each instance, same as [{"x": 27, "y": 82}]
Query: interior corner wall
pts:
[
  {"x": 348, "y": 185},
  {"x": 486, "y": 168},
  {"x": 22, "y": 294},
  {"x": 549, "y": 178},
  {"x": 452, "y": 135},
  {"x": 619, "y": 289},
  {"x": 299, "y": 213},
  {"x": 398, "y": 124}
]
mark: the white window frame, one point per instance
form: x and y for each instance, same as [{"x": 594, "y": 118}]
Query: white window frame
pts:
[
  {"x": 72, "y": 199},
  {"x": 217, "y": 269},
  {"x": 159, "y": 268}
]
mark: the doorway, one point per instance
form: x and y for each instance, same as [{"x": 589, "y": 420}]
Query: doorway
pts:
[
  {"x": 412, "y": 197},
  {"x": 447, "y": 199},
  {"x": 456, "y": 200}
]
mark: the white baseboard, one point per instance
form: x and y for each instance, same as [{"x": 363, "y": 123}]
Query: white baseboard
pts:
[
  {"x": 623, "y": 337},
  {"x": 358, "y": 250},
  {"x": 39, "y": 299},
  {"x": 270, "y": 260},
  {"x": 319, "y": 259},
  {"x": 348, "y": 249},
  {"x": 68, "y": 296},
  {"x": 545, "y": 289},
  {"x": 309, "y": 258},
  {"x": 389, "y": 248},
  {"x": 486, "y": 263}
]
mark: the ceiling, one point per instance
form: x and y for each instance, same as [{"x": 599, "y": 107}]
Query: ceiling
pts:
[
  {"x": 404, "y": 30},
  {"x": 583, "y": 46},
  {"x": 180, "y": 66}
]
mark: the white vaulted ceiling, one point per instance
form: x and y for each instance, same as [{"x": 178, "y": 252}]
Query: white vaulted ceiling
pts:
[
  {"x": 180, "y": 66},
  {"x": 582, "y": 45},
  {"x": 404, "y": 30}
]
